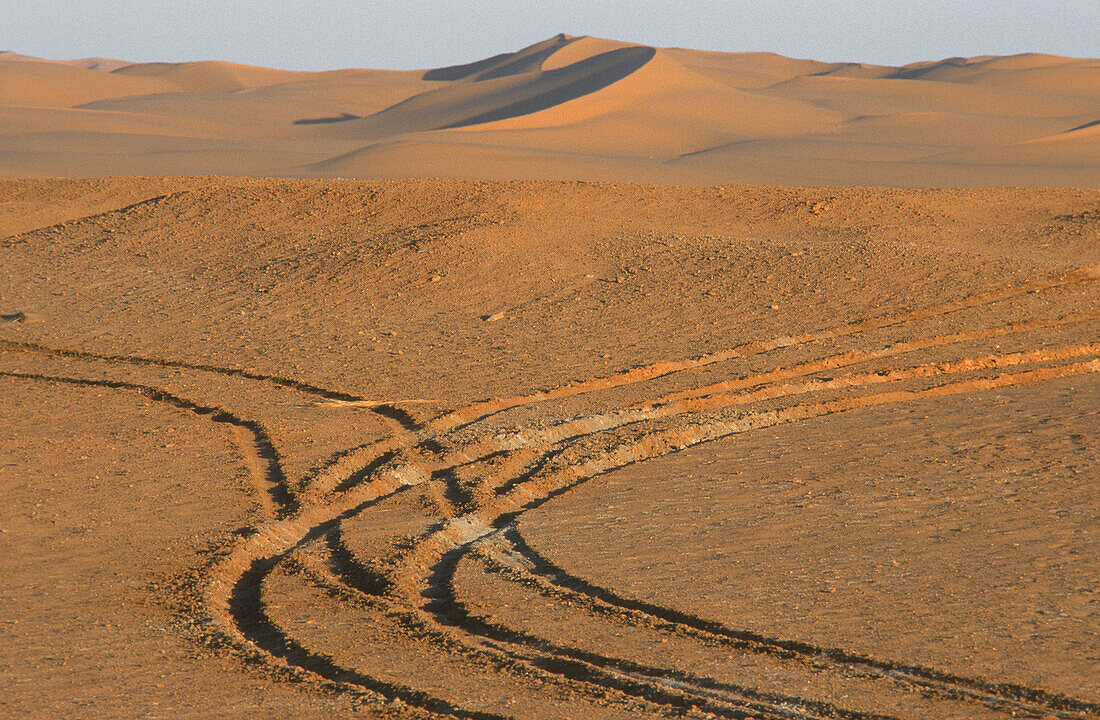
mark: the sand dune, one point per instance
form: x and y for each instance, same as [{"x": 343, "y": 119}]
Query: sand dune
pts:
[
  {"x": 566, "y": 107},
  {"x": 34, "y": 84},
  {"x": 210, "y": 77},
  {"x": 89, "y": 63}
]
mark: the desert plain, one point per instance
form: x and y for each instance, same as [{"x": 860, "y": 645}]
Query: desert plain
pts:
[{"x": 589, "y": 381}]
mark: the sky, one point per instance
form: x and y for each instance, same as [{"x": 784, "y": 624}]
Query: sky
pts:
[{"x": 413, "y": 34}]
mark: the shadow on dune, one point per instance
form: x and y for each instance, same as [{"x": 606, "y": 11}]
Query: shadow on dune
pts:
[
  {"x": 917, "y": 73},
  {"x": 462, "y": 104},
  {"x": 503, "y": 65},
  {"x": 461, "y": 72},
  {"x": 328, "y": 120},
  {"x": 569, "y": 83},
  {"x": 521, "y": 64},
  {"x": 1086, "y": 126}
]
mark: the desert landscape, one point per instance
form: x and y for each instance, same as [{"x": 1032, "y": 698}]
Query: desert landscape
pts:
[
  {"x": 593, "y": 380},
  {"x": 568, "y": 108}
]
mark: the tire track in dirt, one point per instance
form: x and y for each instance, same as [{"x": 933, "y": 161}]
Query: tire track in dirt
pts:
[
  {"x": 262, "y": 459},
  {"x": 258, "y": 450},
  {"x": 407, "y": 426},
  {"x": 246, "y": 593},
  {"x": 249, "y": 579},
  {"x": 300, "y": 386},
  {"x": 371, "y": 456},
  {"x": 243, "y": 585},
  {"x": 966, "y": 365},
  {"x": 662, "y": 407},
  {"x": 672, "y": 403},
  {"x": 482, "y": 410},
  {"x": 462, "y": 532},
  {"x": 339, "y": 574},
  {"x": 418, "y": 474},
  {"x": 518, "y": 562},
  {"x": 501, "y": 553},
  {"x": 272, "y": 643},
  {"x": 233, "y": 613},
  {"x": 851, "y": 358},
  {"x": 673, "y": 688},
  {"x": 234, "y": 581}
]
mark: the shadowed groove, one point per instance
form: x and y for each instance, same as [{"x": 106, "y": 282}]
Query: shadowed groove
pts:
[
  {"x": 608, "y": 672},
  {"x": 1011, "y": 698},
  {"x": 754, "y": 642},
  {"x": 247, "y": 609},
  {"x": 267, "y": 457},
  {"x": 298, "y": 385}
]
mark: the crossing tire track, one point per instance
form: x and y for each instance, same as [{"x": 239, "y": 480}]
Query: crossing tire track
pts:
[
  {"x": 534, "y": 467},
  {"x": 462, "y": 532}
]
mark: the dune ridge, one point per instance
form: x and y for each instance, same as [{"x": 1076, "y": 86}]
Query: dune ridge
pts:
[{"x": 565, "y": 108}]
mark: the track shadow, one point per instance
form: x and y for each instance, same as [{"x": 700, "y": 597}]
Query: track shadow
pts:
[
  {"x": 660, "y": 686},
  {"x": 250, "y": 615},
  {"x": 264, "y": 446},
  {"x": 298, "y": 385},
  {"x": 929, "y": 680}
]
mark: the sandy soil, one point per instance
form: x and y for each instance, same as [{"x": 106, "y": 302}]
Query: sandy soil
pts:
[
  {"x": 566, "y": 108},
  {"x": 429, "y": 448}
]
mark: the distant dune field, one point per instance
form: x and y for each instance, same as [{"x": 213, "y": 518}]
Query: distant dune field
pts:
[{"x": 566, "y": 108}]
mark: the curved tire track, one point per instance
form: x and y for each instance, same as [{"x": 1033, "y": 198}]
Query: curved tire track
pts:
[{"x": 352, "y": 482}]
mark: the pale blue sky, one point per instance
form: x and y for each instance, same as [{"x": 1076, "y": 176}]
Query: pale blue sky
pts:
[{"x": 405, "y": 34}]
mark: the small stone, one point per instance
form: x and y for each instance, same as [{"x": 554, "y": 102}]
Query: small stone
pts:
[{"x": 494, "y": 317}]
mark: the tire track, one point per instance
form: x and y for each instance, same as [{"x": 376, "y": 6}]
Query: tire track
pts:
[
  {"x": 352, "y": 482},
  {"x": 257, "y": 448},
  {"x": 414, "y": 477},
  {"x": 300, "y": 386},
  {"x": 966, "y": 365},
  {"x": 264, "y": 635},
  {"x": 480, "y": 411},
  {"x": 668, "y": 687},
  {"x": 460, "y": 533},
  {"x": 408, "y": 428},
  {"x": 852, "y": 358},
  {"x": 240, "y": 599},
  {"x": 522, "y": 564},
  {"x": 262, "y": 641},
  {"x": 340, "y": 575},
  {"x": 655, "y": 410},
  {"x": 673, "y": 404},
  {"x": 445, "y": 424}
]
